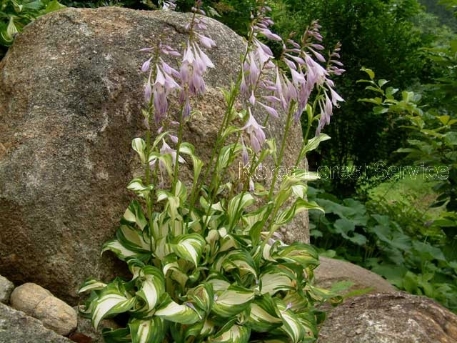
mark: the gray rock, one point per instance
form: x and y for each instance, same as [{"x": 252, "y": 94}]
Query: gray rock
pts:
[
  {"x": 41, "y": 304},
  {"x": 17, "y": 327},
  {"x": 389, "y": 318},
  {"x": 6, "y": 287},
  {"x": 70, "y": 104},
  {"x": 331, "y": 271}
]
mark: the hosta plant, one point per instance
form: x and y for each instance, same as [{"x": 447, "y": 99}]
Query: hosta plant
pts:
[{"x": 205, "y": 259}]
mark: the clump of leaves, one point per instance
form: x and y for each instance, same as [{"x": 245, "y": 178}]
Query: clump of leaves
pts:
[
  {"x": 206, "y": 263},
  {"x": 15, "y": 14}
]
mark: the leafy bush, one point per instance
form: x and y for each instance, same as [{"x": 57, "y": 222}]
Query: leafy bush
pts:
[
  {"x": 206, "y": 264},
  {"x": 15, "y": 14},
  {"x": 410, "y": 260}
]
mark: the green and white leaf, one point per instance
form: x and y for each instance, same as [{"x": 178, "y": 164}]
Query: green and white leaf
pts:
[
  {"x": 134, "y": 214},
  {"x": 189, "y": 247},
  {"x": 147, "y": 330},
  {"x": 291, "y": 324},
  {"x": 139, "y": 145},
  {"x": 152, "y": 286},
  {"x": 234, "y": 334},
  {"x": 263, "y": 315},
  {"x": 91, "y": 285},
  {"x": 232, "y": 301},
  {"x": 120, "y": 250},
  {"x": 110, "y": 301},
  {"x": 237, "y": 205},
  {"x": 177, "y": 313}
]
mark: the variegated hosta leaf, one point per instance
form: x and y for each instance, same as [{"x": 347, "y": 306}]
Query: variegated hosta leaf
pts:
[
  {"x": 202, "y": 296},
  {"x": 133, "y": 239},
  {"x": 121, "y": 251},
  {"x": 291, "y": 323},
  {"x": 263, "y": 315},
  {"x": 172, "y": 270},
  {"x": 299, "y": 205},
  {"x": 134, "y": 214},
  {"x": 91, "y": 285},
  {"x": 227, "y": 155},
  {"x": 139, "y": 145},
  {"x": 313, "y": 143},
  {"x": 139, "y": 188},
  {"x": 240, "y": 260},
  {"x": 232, "y": 301},
  {"x": 111, "y": 300},
  {"x": 176, "y": 313},
  {"x": 116, "y": 335},
  {"x": 302, "y": 254},
  {"x": 234, "y": 334},
  {"x": 237, "y": 205},
  {"x": 296, "y": 301},
  {"x": 189, "y": 247},
  {"x": 151, "y": 286},
  {"x": 147, "y": 330},
  {"x": 163, "y": 248},
  {"x": 218, "y": 282},
  {"x": 274, "y": 280}
]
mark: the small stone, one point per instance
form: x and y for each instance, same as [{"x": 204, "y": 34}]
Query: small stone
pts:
[
  {"x": 39, "y": 303},
  {"x": 6, "y": 287},
  {"x": 57, "y": 315},
  {"x": 26, "y": 297}
]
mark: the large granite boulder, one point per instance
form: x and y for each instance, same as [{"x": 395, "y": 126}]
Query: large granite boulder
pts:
[
  {"x": 70, "y": 103},
  {"x": 389, "y": 318}
]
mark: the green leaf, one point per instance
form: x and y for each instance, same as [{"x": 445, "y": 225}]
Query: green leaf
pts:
[
  {"x": 313, "y": 143},
  {"x": 369, "y": 72},
  {"x": 147, "y": 330},
  {"x": 380, "y": 110},
  {"x": 176, "y": 313},
  {"x": 52, "y": 6},
  {"x": 382, "y": 82}
]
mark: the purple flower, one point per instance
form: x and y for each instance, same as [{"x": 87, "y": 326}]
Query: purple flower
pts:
[{"x": 255, "y": 132}]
